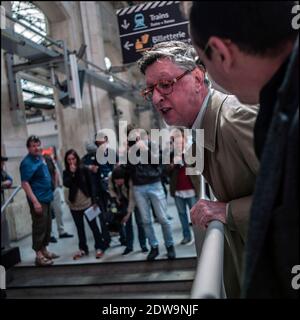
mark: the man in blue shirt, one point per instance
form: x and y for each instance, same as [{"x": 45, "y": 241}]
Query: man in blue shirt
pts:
[{"x": 36, "y": 182}]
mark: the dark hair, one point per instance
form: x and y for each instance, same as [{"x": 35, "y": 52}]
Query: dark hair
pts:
[
  {"x": 261, "y": 27},
  {"x": 75, "y": 154},
  {"x": 34, "y": 139},
  {"x": 118, "y": 173}
]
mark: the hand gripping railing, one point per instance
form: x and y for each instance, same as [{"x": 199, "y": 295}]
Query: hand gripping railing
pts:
[
  {"x": 208, "y": 283},
  {"x": 7, "y": 202}
]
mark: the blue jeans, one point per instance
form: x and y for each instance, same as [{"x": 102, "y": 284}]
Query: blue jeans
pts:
[
  {"x": 144, "y": 196},
  {"x": 181, "y": 204}
]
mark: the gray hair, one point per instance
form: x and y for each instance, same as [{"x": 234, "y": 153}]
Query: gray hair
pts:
[{"x": 181, "y": 53}]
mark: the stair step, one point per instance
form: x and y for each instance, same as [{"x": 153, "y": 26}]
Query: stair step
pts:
[
  {"x": 84, "y": 280},
  {"x": 22, "y": 275},
  {"x": 128, "y": 279},
  {"x": 170, "y": 290}
]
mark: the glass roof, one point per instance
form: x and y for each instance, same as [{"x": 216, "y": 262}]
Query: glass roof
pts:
[{"x": 33, "y": 17}]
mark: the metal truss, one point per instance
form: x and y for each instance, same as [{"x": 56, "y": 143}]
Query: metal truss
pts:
[{"x": 55, "y": 56}]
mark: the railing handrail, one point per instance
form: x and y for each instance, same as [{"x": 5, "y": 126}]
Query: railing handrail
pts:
[
  {"x": 7, "y": 202},
  {"x": 208, "y": 282}
]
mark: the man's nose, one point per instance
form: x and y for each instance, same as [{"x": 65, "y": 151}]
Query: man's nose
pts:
[{"x": 157, "y": 97}]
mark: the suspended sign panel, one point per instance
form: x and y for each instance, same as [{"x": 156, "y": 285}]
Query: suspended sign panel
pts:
[{"x": 144, "y": 25}]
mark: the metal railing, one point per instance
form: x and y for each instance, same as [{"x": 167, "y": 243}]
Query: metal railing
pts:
[
  {"x": 11, "y": 197},
  {"x": 208, "y": 283}
]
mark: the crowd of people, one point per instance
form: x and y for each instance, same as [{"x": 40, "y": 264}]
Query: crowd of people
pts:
[{"x": 119, "y": 192}]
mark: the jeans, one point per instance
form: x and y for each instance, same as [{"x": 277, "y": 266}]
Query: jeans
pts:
[
  {"x": 129, "y": 230},
  {"x": 144, "y": 196},
  {"x": 181, "y": 204},
  {"x": 78, "y": 217}
]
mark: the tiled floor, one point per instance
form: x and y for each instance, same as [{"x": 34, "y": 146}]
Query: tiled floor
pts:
[{"x": 68, "y": 246}]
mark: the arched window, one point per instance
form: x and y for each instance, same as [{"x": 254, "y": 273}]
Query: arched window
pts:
[
  {"x": 30, "y": 15},
  {"x": 36, "y": 97}
]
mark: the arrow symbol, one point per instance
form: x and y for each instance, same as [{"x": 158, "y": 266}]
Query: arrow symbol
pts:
[
  {"x": 127, "y": 45},
  {"x": 125, "y": 24}
]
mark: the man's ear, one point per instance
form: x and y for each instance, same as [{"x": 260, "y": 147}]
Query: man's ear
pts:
[
  {"x": 221, "y": 53},
  {"x": 199, "y": 79}
]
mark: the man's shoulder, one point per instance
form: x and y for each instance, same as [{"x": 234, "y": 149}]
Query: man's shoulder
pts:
[
  {"x": 26, "y": 160},
  {"x": 233, "y": 110},
  {"x": 88, "y": 158}
]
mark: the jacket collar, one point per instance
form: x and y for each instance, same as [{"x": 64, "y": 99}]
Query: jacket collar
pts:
[
  {"x": 210, "y": 120},
  {"x": 199, "y": 119}
]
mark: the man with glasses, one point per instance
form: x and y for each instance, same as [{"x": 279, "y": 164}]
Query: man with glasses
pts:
[
  {"x": 179, "y": 89},
  {"x": 36, "y": 182}
]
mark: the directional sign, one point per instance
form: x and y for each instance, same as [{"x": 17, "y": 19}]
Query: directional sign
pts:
[
  {"x": 127, "y": 45},
  {"x": 125, "y": 24},
  {"x": 144, "y": 25}
]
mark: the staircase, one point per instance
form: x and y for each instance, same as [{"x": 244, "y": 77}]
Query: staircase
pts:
[{"x": 159, "y": 279}]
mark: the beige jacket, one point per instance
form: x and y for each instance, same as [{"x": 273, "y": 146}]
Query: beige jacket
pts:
[
  {"x": 230, "y": 163},
  {"x": 127, "y": 193}
]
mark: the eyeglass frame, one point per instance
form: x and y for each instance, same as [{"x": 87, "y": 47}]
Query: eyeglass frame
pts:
[
  {"x": 172, "y": 82},
  {"x": 199, "y": 62}
]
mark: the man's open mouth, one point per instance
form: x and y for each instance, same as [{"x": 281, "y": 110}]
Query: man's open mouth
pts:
[{"x": 164, "y": 111}]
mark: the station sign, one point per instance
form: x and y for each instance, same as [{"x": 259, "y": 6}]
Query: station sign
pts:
[{"x": 142, "y": 26}]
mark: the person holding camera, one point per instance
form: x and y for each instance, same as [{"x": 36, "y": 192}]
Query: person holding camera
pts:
[
  {"x": 147, "y": 190},
  {"x": 120, "y": 189}
]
